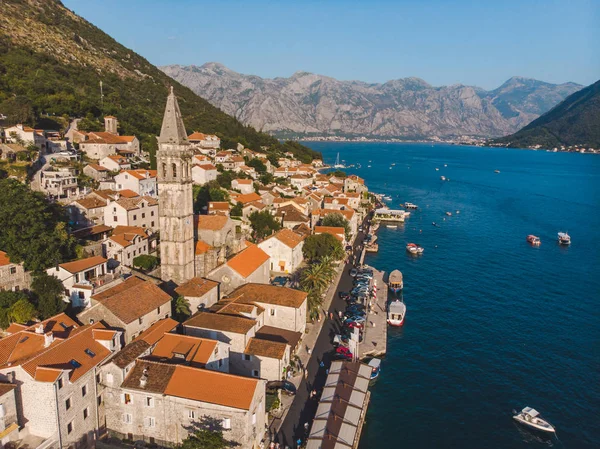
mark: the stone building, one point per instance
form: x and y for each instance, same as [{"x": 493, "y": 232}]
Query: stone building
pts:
[
  {"x": 200, "y": 293},
  {"x": 249, "y": 265},
  {"x": 285, "y": 250},
  {"x": 79, "y": 278},
  {"x": 160, "y": 402},
  {"x": 131, "y": 306},
  {"x": 137, "y": 211},
  {"x": 12, "y": 275},
  {"x": 125, "y": 244},
  {"x": 9, "y": 425},
  {"x": 53, "y": 365},
  {"x": 176, "y": 211}
]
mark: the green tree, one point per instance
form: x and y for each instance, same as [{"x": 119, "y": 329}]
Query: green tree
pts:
[
  {"x": 236, "y": 211},
  {"x": 8, "y": 299},
  {"x": 322, "y": 245},
  {"x": 314, "y": 278},
  {"x": 258, "y": 165},
  {"x": 337, "y": 221},
  {"x": 206, "y": 433},
  {"x": 266, "y": 178},
  {"x": 145, "y": 262},
  {"x": 22, "y": 311},
  {"x": 32, "y": 230},
  {"x": 263, "y": 224},
  {"x": 47, "y": 293},
  {"x": 181, "y": 308},
  {"x": 338, "y": 174}
]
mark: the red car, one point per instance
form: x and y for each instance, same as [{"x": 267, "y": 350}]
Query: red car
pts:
[
  {"x": 354, "y": 324},
  {"x": 342, "y": 350}
]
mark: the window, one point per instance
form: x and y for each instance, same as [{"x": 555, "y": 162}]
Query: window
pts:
[
  {"x": 158, "y": 310},
  {"x": 81, "y": 295},
  {"x": 98, "y": 378},
  {"x": 150, "y": 421},
  {"x": 70, "y": 427},
  {"x": 164, "y": 169},
  {"x": 13, "y": 270},
  {"x": 86, "y": 413},
  {"x": 174, "y": 168},
  {"x": 149, "y": 402},
  {"x": 272, "y": 312},
  {"x": 253, "y": 418},
  {"x": 247, "y": 357},
  {"x": 220, "y": 363},
  {"x": 83, "y": 391},
  {"x": 152, "y": 224},
  {"x": 254, "y": 373},
  {"x": 115, "y": 218},
  {"x": 68, "y": 404},
  {"x": 143, "y": 215},
  {"x": 134, "y": 217},
  {"x": 141, "y": 320},
  {"x": 127, "y": 418},
  {"x": 127, "y": 399},
  {"x": 226, "y": 423},
  {"x": 152, "y": 213},
  {"x": 90, "y": 352},
  {"x": 192, "y": 414},
  {"x": 99, "y": 401},
  {"x": 60, "y": 383}
]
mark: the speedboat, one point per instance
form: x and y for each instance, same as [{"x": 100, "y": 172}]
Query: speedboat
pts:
[
  {"x": 564, "y": 238},
  {"x": 437, "y": 169},
  {"x": 534, "y": 240},
  {"x": 531, "y": 417},
  {"x": 410, "y": 206},
  {"x": 496, "y": 171},
  {"x": 413, "y": 248},
  {"x": 391, "y": 226},
  {"x": 449, "y": 214},
  {"x": 443, "y": 178},
  {"x": 396, "y": 313}
]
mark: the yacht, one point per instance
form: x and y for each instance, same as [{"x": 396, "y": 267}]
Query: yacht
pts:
[
  {"x": 531, "y": 417},
  {"x": 564, "y": 238},
  {"x": 396, "y": 313}
]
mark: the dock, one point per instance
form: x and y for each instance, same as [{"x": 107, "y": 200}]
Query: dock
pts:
[{"x": 375, "y": 334}]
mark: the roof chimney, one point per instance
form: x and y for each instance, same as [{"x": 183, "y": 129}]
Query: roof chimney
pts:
[
  {"x": 39, "y": 329},
  {"x": 144, "y": 378},
  {"x": 48, "y": 339}
]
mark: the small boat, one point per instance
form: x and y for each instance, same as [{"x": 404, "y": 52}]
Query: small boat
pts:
[
  {"x": 534, "y": 240},
  {"x": 531, "y": 417},
  {"x": 443, "y": 178},
  {"x": 437, "y": 169},
  {"x": 445, "y": 165},
  {"x": 392, "y": 164},
  {"x": 496, "y": 171},
  {"x": 396, "y": 313},
  {"x": 434, "y": 223},
  {"x": 413, "y": 248},
  {"x": 391, "y": 226},
  {"x": 368, "y": 166},
  {"x": 390, "y": 168},
  {"x": 410, "y": 206},
  {"x": 564, "y": 238},
  {"x": 395, "y": 281},
  {"x": 458, "y": 212},
  {"x": 449, "y": 214},
  {"x": 375, "y": 365}
]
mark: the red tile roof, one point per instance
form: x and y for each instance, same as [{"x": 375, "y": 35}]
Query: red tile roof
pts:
[
  {"x": 157, "y": 331},
  {"x": 196, "y": 287},
  {"x": 80, "y": 265},
  {"x": 248, "y": 261},
  {"x": 4, "y": 260}
]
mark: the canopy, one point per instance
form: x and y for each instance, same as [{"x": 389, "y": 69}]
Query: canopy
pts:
[
  {"x": 531, "y": 412},
  {"x": 396, "y": 277}
]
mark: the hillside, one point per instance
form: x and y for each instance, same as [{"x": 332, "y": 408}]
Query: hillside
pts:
[
  {"x": 307, "y": 104},
  {"x": 575, "y": 121},
  {"x": 52, "y": 62}
]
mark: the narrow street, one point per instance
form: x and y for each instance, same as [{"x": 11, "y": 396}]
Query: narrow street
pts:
[{"x": 303, "y": 408}]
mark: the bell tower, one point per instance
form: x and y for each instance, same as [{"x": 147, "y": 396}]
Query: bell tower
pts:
[{"x": 175, "y": 207}]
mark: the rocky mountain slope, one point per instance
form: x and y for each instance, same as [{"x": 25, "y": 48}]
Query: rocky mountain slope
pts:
[
  {"x": 51, "y": 65},
  {"x": 308, "y": 104},
  {"x": 575, "y": 121}
]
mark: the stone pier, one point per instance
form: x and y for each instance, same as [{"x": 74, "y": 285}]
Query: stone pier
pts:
[{"x": 375, "y": 335}]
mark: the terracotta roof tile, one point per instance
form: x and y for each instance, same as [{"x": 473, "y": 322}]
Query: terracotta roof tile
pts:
[
  {"x": 248, "y": 261},
  {"x": 128, "y": 193},
  {"x": 157, "y": 330},
  {"x": 196, "y": 287},
  {"x": 91, "y": 202},
  {"x": 210, "y": 222},
  {"x": 288, "y": 237},
  {"x": 130, "y": 353},
  {"x": 132, "y": 299},
  {"x": 248, "y": 198},
  {"x": 206, "y": 166},
  {"x": 174, "y": 348},
  {"x": 80, "y": 265},
  {"x": 268, "y": 294},
  {"x": 4, "y": 260},
  {"x": 218, "y": 205},
  {"x": 266, "y": 348},
  {"x": 221, "y": 322}
]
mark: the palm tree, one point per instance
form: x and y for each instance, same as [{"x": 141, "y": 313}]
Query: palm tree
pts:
[
  {"x": 315, "y": 300},
  {"x": 181, "y": 308},
  {"x": 314, "y": 278},
  {"x": 326, "y": 266}
]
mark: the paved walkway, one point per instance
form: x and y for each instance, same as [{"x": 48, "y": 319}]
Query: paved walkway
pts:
[{"x": 375, "y": 334}]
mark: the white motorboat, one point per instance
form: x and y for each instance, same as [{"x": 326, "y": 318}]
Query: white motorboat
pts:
[
  {"x": 564, "y": 238},
  {"x": 391, "y": 226},
  {"x": 531, "y": 417},
  {"x": 395, "y": 281},
  {"x": 396, "y": 313},
  {"x": 443, "y": 178},
  {"x": 437, "y": 169},
  {"x": 410, "y": 206},
  {"x": 449, "y": 214}
]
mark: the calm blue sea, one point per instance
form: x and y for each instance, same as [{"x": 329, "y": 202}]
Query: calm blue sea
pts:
[{"x": 493, "y": 324}]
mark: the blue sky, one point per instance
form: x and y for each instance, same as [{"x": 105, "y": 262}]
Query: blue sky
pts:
[{"x": 479, "y": 43}]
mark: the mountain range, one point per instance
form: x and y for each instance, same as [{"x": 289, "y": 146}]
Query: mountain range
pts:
[
  {"x": 573, "y": 122},
  {"x": 308, "y": 104}
]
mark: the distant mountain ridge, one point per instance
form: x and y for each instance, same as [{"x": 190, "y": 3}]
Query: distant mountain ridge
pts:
[
  {"x": 307, "y": 104},
  {"x": 575, "y": 121}
]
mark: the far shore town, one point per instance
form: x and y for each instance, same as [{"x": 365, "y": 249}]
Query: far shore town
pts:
[{"x": 200, "y": 296}]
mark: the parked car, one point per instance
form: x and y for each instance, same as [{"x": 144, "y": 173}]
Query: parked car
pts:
[
  {"x": 343, "y": 295},
  {"x": 285, "y": 386},
  {"x": 344, "y": 351},
  {"x": 354, "y": 324},
  {"x": 353, "y": 272}
]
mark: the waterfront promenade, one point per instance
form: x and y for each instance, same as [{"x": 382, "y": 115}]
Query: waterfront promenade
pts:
[{"x": 375, "y": 334}]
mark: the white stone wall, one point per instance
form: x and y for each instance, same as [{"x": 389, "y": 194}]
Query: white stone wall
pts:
[
  {"x": 290, "y": 318},
  {"x": 116, "y": 215},
  {"x": 207, "y": 300},
  {"x": 266, "y": 368},
  {"x": 201, "y": 176},
  {"x": 126, "y": 255},
  {"x": 14, "y": 277},
  {"x": 281, "y": 253}
]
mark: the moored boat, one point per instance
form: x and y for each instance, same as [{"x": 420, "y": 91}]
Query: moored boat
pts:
[
  {"x": 443, "y": 178},
  {"x": 395, "y": 281},
  {"x": 449, "y": 214},
  {"x": 564, "y": 238},
  {"x": 531, "y": 417},
  {"x": 375, "y": 365},
  {"x": 534, "y": 240},
  {"x": 496, "y": 171},
  {"x": 410, "y": 205},
  {"x": 413, "y": 248},
  {"x": 396, "y": 313}
]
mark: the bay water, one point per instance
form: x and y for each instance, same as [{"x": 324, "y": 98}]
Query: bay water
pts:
[{"x": 493, "y": 324}]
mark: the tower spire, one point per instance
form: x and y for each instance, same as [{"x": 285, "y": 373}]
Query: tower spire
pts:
[{"x": 173, "y": 130}]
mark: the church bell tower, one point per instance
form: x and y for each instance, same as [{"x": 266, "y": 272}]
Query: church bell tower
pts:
[{"x": 175, "y": 207}]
